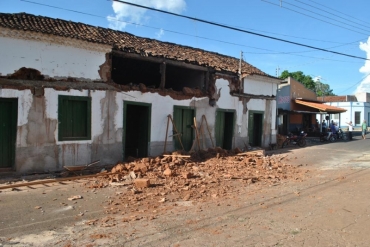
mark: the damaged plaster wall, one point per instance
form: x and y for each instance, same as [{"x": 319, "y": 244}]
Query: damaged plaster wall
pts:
[
  {"x": 263, "y": 86},
  {"x": 228, "y": 102},
  {"x": 37, "y": 145},
  {"x": 107, "y": 146},
  {"x": 55, "y": 60},
  {"x": 162, "y": 106},
  {"x": 35, "y": 140},
  {"x": 106, "y": 141}
]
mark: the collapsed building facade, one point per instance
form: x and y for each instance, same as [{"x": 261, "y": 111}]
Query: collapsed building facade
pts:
[{"x": 72, "y": 93}]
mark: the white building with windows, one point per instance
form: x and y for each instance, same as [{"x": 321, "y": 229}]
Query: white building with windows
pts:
[
  {"x": 71, "y": 93},
  {"x": 357, "y": 106}
]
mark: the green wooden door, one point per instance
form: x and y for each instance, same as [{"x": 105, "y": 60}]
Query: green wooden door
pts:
[
  {"x": 8, "y": 131},
  {"x": 224, "y": 128},
  {"x": 183, "y": 118},
  {"x": 219, "y": 128}
]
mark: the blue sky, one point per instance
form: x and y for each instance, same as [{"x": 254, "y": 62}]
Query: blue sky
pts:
[{"x": 341, "y": 26}]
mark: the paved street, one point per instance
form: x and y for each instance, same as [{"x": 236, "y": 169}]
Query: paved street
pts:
[{"x": 328, "y": 207}]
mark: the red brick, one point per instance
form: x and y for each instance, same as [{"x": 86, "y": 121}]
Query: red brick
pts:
[
  {"x": 167, "y": 172},
  {"x": 142, "y": 183},
  {"x": 187, "y": 175}
]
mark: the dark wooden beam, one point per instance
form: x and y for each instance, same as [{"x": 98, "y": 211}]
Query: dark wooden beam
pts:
[
  {"x": 253, "y": 96},
  {"x": 163, "y": 75},
  {"x": 159, "y": 60}
]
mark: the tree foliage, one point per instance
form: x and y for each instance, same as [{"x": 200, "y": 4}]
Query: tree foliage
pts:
[{"x": 320, "y": 88}]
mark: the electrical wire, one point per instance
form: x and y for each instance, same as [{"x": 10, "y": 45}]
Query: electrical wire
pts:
[
  {"x": 363, "y": 78},
  {"x": 349, "y": 20},
  {"x": 190, "y": 35},
  {"x": 293, "y": 54},
  {"x": 312, "y": 17},
  {"x": 240, "y": 30},
  {"x": 338, "y": 11},
  {"x": 176, "y": 32},
  {"x": 325, "y": 16}
]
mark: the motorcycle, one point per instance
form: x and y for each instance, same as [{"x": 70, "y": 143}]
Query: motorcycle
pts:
[
  {"x": 327, "y": 136},
  {"x": 341, "y": 135},
  {"x": 299, "y": 140}
]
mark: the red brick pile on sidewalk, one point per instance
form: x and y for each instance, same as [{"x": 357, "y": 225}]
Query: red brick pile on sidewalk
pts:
[{"x": 147, "y": 184}]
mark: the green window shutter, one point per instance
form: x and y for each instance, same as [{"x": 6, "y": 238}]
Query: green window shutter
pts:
[{"x": 74, "y": 115}]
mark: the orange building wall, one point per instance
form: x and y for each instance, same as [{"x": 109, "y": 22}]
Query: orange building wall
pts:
[
  {"x": 295, "y": 118},
  {"x": 298, "y": 90}
]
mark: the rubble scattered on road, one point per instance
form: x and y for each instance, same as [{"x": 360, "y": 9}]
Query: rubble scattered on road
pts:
[
  {"x": 74, "y": 198},
  {"x": 158, "y": 183}
]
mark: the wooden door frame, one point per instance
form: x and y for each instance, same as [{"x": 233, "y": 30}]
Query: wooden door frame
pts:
[
  {"x": 183, "y": 108},
  {"x": 233, "y": 125},
  {"x": 249, "y": 131},
  {"x": 125, "y": 104}
]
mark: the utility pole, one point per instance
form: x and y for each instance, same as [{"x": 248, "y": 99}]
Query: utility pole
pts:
[
  {"x": 240, "y": 63},
  {"x": 277, "y": 71},
  {"x": 240, "y": 73},
  {"x": 323, "y": 93}
]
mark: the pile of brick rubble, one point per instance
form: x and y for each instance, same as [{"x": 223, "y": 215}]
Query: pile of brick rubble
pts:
[{"x": 146, "y": 185}]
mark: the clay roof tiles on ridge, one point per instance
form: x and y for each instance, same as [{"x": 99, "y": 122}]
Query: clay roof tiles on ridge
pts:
[{"x": 125, "y": 41}]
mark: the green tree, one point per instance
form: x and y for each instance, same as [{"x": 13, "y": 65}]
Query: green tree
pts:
[{"x": 318, "y": 87}]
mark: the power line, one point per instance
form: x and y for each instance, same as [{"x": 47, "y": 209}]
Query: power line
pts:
[
  {"x": 324, "y": 16},
  {"x": 363, "y": 78},
  {"x": 196, "y": 36},
  {"x": 292, "y": 36},
  {"x": 156, "y": 28},
  {"x": 331, "y": 13},
  {"x": 338, "y": 11},
  {"x": 312, "y": 17},
  {"x": 294, "y": 54},
  {"x": 239, "y": 30}
]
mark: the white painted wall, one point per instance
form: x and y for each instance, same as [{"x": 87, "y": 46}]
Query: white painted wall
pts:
[
  {"x": 349, "y": 115},
  {"x": 59, "y": 59},
  {"x": 51, "y": 98},
  {"x": 259, "y": 87},
  {"x": 24, "y": 104},
  {"x": 256, "y": 85},
  {"x": 161, "y": 108},
  {"x": 53, "y": 60}
]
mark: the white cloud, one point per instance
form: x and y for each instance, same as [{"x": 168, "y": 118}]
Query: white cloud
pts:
[
  {"x": 365, "y": 84},
  {"x": 159, "y": 34},
  {"x": 317, "y": 78},
  {"x": 125, "y": 12}
]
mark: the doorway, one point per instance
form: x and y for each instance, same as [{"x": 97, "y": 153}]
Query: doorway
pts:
[
  {"x": 307, "y": 123},
  {"x": 224, "y": 128},
  {"x": 8, "y": 132},
  {"x": 136, "y": 133},
  {"x": 183, "y": 118},
  {"x": 255, "y": 127},
  {"x": 283, "y": 124}
]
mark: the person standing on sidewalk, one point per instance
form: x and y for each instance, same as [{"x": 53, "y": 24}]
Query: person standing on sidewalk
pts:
[
  {"x": 350, "y": 129},
  {"x": 364, "y": 127}
]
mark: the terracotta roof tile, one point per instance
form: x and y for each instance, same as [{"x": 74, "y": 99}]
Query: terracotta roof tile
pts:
[
  {"x": 342, "y": 98},
  {"x": 125, "y": 41},
  {"x": 321, "y": 106}
]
